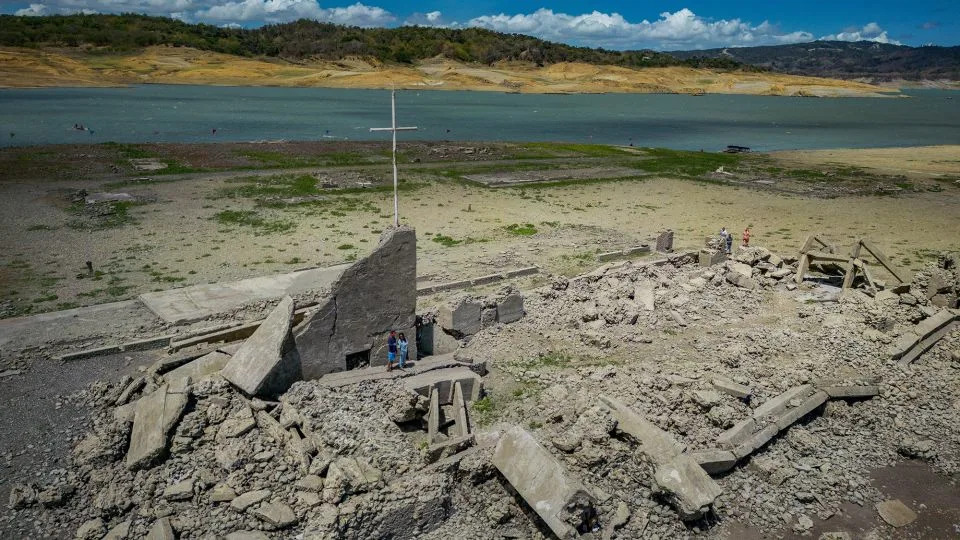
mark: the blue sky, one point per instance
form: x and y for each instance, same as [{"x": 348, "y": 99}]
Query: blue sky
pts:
[{"x": 667, "y": 25}]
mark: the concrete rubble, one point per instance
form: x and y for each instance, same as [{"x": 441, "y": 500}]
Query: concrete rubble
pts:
[{"x": 655, "y": 397}]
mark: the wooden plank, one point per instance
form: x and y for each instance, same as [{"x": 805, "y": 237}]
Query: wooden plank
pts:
[{"x": 882, "y": 260}]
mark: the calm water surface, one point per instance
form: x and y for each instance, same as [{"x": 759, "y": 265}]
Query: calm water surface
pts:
[{"x": 161, "y": 113}]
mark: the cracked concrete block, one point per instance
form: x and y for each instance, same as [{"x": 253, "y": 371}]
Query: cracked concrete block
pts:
[
  {"x": 715, "y": 461},
  {"x": 656, "y": 443},
  {"x": 731, "y": 388},
  {"x": 688, "y": 486},
  {"x": 740, "y": 432},
  {"x": 375, "y": 295},
  {"x": 155, "y": 417},
  {"x": 461, "y": 318},
  {"x": 791, "y": 415},
  {"x": 204, "y": 366},
  {"x": 756, "y": 441},
  {"x": 775, "y": 406},
  {"x": 268, "y": 362},
  {"x": 543, "y": 482},
  {"x": 848, "y": 392},
  {"x": 510, "y": 308}
]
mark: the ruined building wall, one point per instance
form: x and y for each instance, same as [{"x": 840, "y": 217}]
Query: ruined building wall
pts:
[{"x": 375, "y": 295}]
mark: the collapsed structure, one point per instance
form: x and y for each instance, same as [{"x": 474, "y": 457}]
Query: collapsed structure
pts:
[{"x": 287, "y": 433}]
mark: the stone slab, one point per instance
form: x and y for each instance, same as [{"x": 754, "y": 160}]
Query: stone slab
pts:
[
  {"x": 443, "y": 380},
  {"x": 462, "y": 318},
  {"x": 161, "y": 530},
  {"x": 715, "y": 461},
  {"x": 775, "y": 406},
  {"x": 656, "y": 443},
  {"x": 198, "y": 302},
  {"x": 926, "y": 343},
  {"x": 200, "y": 368},
  {"x": 731, "y": 388},
  {"x": 268, "y": 362},
  {"x": 433, "y": 416},
  {"x": 896, "y": 513},
  {"x": 460, "y": 418},
  {"x": 740, "y": 432},
  {"x": 543, "y": 482},
  {"x": 756, "y": 441},
  {"x": 689, "y": 487},
  {"x": 156, "y": 415},
  {"x": 791, "y": 415},
  {"x": 847, "y": 392}
]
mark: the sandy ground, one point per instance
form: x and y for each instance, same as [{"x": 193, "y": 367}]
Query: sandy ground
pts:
[
  {"x": 923, "y": 161},
  {"x": 170, "y": 65},
  {"x": 175, "y": 238}
]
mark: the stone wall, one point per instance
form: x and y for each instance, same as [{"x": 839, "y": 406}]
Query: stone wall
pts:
[{"x": 375, "y": 295}]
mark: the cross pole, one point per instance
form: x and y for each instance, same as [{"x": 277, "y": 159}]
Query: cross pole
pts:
[{"x": 394, "y": 129}]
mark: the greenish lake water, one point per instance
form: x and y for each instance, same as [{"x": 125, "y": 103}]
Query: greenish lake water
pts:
[{"x": 161, "y": 113}]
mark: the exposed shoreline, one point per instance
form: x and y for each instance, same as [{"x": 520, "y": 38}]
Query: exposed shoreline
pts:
[{"x": 45, "y": 68}]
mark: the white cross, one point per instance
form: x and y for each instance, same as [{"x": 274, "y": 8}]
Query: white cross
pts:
[{"x": 395, "y": 129}]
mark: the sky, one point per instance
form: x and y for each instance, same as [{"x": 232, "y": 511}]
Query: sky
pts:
[{"x": 611, "y": 24}]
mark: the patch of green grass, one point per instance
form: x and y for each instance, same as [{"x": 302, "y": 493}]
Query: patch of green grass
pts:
[
  {"x": 526, "y": 229},
  {"x": 561, "y": 149},
  {"x": 345, "y": 246},
  {"x": 249, "y": 218},
  {"x": 293, "y": 260},
  {"x": 684, "y": 163},
  {"x": 273, "y": 186},
  {"x": 446, "y": 241}
]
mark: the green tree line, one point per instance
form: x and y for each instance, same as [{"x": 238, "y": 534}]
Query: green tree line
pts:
[{"x": 306, "y": 39}]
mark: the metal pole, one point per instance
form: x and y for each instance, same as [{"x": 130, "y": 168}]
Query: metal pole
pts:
[{"x": 396, "y": 199}]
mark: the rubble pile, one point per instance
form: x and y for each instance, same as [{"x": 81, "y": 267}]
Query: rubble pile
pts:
[{"x": 656, "y": 399}]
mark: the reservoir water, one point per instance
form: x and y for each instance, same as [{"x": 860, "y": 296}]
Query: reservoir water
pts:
[{"x": 163, "y": 113}]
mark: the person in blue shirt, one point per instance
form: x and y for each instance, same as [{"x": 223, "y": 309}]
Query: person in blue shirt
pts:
[
  {"x": 402, "y": 350},
  {"x": 391, "y": 350}
]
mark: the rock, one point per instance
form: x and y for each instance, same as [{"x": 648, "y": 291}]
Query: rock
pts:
[
  {"x": 156, "y": 415},
  {"x": 781, "y": 475},
  {"x": 119, "y": 532},
  {"x": 21, "y": 496},
  {"x": 200, "y": 368},
  {"x": 925, "y": 449},
  {"x": 706, "y": 398},
  {"x": 310, "y": 482},
  {"x": 896, "y": 513},
  {"x": 688, "y": 486},
  {"x": 55, "y": 496},
  {"x": 181, "y": 491},
  {"x": 236, "y": 424},
  {"x": 347, "y": 476},
  {"x": 271, "y": 428},
  {"x": 231, "y": 455},
  {"x": 247, "y": 535},
  {"x": 161, "y": 530},
  {"x": 643, "y": 296},
  {"x": 804, "y": 523},
  {"x": 268, "y": 361},
  {"x": 620, "y": 518},
  {"x": 277, "y": 514},
  {"x": 249, "y": 499},
  {"x": 222, "y": 493},
  {"x": 91, "y": 529}
]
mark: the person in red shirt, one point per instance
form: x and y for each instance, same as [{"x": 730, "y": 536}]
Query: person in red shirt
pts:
[{"x": 746, "y": 237}]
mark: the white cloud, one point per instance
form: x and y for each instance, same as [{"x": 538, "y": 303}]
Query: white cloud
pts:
[
  {"x": 870, "y": 32},
  {"x": 36, "y": 10},
  {"x": 277, "y": 11},
  {"x": 432, "y": 18},
  {"x": 680, "y": 29}
]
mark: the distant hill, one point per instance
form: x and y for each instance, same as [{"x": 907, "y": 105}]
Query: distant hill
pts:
[
  {"x": 878, "y": 62},
  {"x": 306, "y": 40}
]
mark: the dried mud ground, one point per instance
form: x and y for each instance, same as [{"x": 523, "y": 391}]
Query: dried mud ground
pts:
[{"x": 228, "y": 211}]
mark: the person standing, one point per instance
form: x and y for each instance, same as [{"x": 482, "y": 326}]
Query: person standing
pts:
[
  {"x": 727, "y": 239},
  {"x": 391, "y": 350},
  {"x": 402, "y": 350},
  {"x": 746, "y": 237}
]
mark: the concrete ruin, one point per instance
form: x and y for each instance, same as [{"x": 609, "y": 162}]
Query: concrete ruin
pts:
[
  {"x": 268, "y": 361},
  {"x": 561, "y": 500},
  {"x": 374, "y": 296}
]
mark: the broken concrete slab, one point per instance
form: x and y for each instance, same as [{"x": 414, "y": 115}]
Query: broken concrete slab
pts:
[
  {"x": 268, "y": 362},
  {"x": 909, "y": 344},
  {"x": 433, "y": 416},
  {"x": 756, "y": 441},
  {"x": 740, "y": 432},
  {"x": 461, "y": 318},
  {"x": 236, "y": 424},
  {"x": 161, "y": 530},
  {"x": 249, "y": 499},
  {"x": 375, "y": 295},
  {"x": 443, "y": 380},
  {"x": 181, "y": 491},
  {"x": 715, "y": 461},
  {"x": 731, "y": 388},
  {"x": 853, "y": 391},
  {"x": 643, "y": 295},
  {"x": 543, "y": 482},
  {"x": 277, "y": 514},
  {"x": 434, "y": 340},
  {"x": 895, "y": 513},
  {"x": 688, "y": 486},
  {"x": 657, "y": 444},
  {"x": 510, "y": 308},
  {"x": 772, "y": 408},
  {"x": 156, "y": 415},
  {"x": 791, "y": 415},
  {"x": 120, "y": 532},
  {"x": 199, "y": 368},
  {"x": 461, "y": 426}
]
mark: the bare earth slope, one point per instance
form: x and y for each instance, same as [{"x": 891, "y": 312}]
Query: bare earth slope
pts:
[{"x": 24, "y": 68}]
